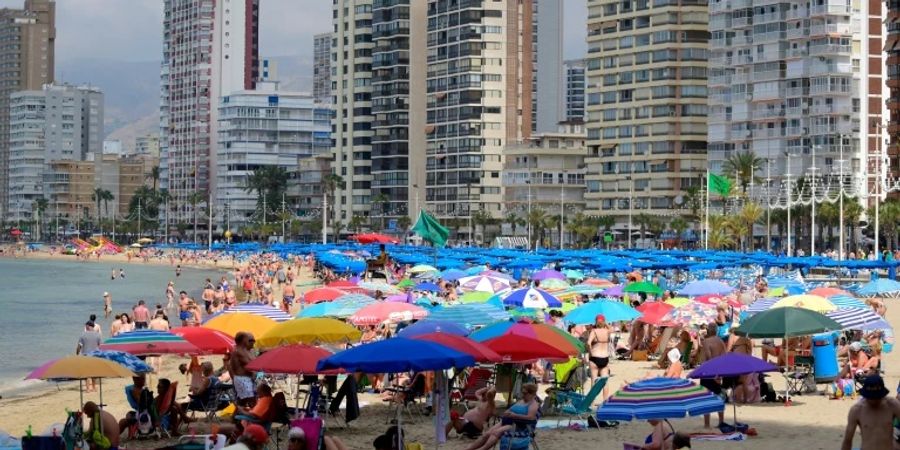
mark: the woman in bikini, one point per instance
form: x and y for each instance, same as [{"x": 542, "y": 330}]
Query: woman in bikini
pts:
[{"x": 598, "y": 342}]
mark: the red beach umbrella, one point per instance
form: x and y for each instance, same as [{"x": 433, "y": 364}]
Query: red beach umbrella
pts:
[
  {"x": 714, "y": 300},
  {"x": 291, "y": 359},
  {"x": 519, "y": 349},
  {"x": 346, "y": 286},
  {"x": 379, "y": 312},
  {"x": 207, "y": 340},
  {"x": 324, "y": 294},
  {"x": 374, "y": 238},
  {"x": 479, "y": 351},
  {"x": 150, "y": 342},
  {"x": 653, "y": 312}
]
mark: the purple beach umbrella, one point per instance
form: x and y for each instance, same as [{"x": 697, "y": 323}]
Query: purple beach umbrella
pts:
[
  {"x": 615, "y": 291},
  {"x": 547, "y": 274},
  {"x": 732, "y": 365}
]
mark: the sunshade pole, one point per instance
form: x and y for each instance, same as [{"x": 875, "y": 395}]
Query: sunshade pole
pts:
[{"x": 80, "y": 394}]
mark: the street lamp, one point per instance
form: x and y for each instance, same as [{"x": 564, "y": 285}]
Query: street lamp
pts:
[
  {"x": 812, "y": 201},
  {"x": 528, "y": 214},
  {"x": 630, "y": 205}
]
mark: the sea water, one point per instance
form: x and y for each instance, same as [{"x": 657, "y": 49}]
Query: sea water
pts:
[{"x": 45, "y": 303}]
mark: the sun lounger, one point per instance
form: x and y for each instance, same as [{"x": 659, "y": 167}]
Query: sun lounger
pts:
[{"x": 580, "y": 406}]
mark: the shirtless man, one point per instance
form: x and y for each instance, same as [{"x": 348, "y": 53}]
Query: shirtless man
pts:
[
  {"x": 107, "y": 305},
  {"x": 288, "y": 294},
  {"x": 207, "y": 295},
  {"x": 108, "y": 424},
  {"x": 184, "y": 308},
  {"x": 712, "y": 347},
  {"x": 237, "y": 366},
  {"x": 472, "y": 422},
  {"x": 598, "y": 341},
  {"x": 874, "y": 414}
]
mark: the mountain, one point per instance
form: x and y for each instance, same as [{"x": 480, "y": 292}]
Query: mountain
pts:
[{"x": 131, "y": 89}]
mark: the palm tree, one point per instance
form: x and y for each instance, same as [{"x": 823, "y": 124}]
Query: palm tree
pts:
[
  {"x": 333, "y": 182},
  {"x": 743, "y": 222},
  {"x": 888, "y": 219},
  {"x": 482, "y": 218},
  {"x": 270, "y": 183},
  {"x": 743, "y": 165},
  {"x": 106, "y": 196},
  {"x": 828, "y": 217},
  {"x": 153, "y": 175},
  {"x": 195, "y": 199},
  {"x": 678, "y": 225},
  {"x": 535, "y": 219},
  {"x": 643, "y": 222},
  {"x": 356, "y": 223},
  {"x": 97, "y": 196},
  {"x": 693, "y": 197},
  {"x": 379, "y": 200},
  {"x": 40, "y": 205},
  {"x": 512, "y": 219}
]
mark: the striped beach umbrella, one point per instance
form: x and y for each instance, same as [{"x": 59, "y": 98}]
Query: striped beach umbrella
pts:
[
  {"x": 257, "y": 309},
  {"x": 149, "y": 342},
  {"x": 484, "y": 283},
  {"x": 531, "y": 298},
  {"x": 469, "y": 315},
  {"x": 387, "y": 311},
  {"x": 660, "y": 398},
  {"x": 846, "y": 301},
  {"x": 854, "y": 318},
  {"x": 131, "y": 362},
  {"x": 692, "y": 314},
  {"x": 761, "y": 305}
]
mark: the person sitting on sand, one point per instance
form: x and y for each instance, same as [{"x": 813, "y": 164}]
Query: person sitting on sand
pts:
[
  {"x": 254, "y": 437},
  {"x": 675, "y": 369},
  {"x": 858, "y": 362},
  {"x": 874, "y": 414},
  {"x": 526, "y": 409},
  {"x": 172, "y": 410},
  {"x": 200, "y": 394},
  {"x": 107, "y": 425},
  {"x": 471, "y": 424}
]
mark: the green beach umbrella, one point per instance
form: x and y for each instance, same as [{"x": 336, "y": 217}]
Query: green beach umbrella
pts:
[
  {"x": 475, "y": 297},
  {"x": 406, "y": 283},
  {"x": 527, "y": 313},
  {"x": 566, "y": 307},
  {"x": 553, "y": 284},
  {"x": 643, "y": 286},
  {"x": 573, "y": 274},
  {"x": 786, "y": 322}
]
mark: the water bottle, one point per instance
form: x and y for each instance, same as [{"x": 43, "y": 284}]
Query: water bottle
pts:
[{"x": 28, "y": 432}]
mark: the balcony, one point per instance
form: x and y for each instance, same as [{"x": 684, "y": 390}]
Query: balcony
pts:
[
  {"x": 766, "y": 113},
  {"x": 829, "y": 29},
  {"x": 796, "y": 53},
  {"x": 796, "y": 91},
  {"x": 740, "y": 22},
  {"x": 797, "y": 33},
  {"x": 795, "y": 14},
  {"x": 823, "y": 10},
  {"x": 769, "y": 17}
]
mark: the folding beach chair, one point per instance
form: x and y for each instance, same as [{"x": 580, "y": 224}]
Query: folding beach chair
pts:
[
  {"x": 313, "y": 428},
  {"x": 801, "y": 377},
  {"x": 407, "y": 396},
  {"x": 521, "y": 436},
  {"x": 217, "y": 398},
  {"x": 577, "y": 405},
  {"x": 478, "y": 378}
]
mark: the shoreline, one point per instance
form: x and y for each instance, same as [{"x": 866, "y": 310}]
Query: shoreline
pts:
[{"x": 227, "y": 265}]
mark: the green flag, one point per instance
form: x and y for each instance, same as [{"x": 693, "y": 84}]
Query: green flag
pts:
[
  {"x": 431, "y": 230},
  {"x": 719, "y": 184}
]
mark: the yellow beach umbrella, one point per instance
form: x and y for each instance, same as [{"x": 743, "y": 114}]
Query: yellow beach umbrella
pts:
[
  {"x": 678, "y": 301},
  {"x": 79, "y": 367},
  {"x": 309, "y": 330},
  {"x": 233, "y": 323},
  {"x": 806, "y": 301},
  {"x": 777, "y": 292}
]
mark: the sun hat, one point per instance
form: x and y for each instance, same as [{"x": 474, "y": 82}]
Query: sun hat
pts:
[
  {"x": 856, "y": 346},
  {"x": 296, "y": 433},
  {"x": 873, "y": 388},
  {"x": 674, "y": 355}
]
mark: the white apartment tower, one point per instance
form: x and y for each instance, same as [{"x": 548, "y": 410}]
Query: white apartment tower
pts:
[
  {"x": 479, "y": 100},
  {"x": 322, "y": 68},
  {"x": 210, "y": 49},
  {"x": 790, "y": 78}
]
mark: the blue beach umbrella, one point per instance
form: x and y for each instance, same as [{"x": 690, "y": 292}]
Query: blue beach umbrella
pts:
[
  {"x": 430, "y": 287},
  {"x": 880, "y": 287},
  {"x": 660, "y": 398},
  {"x": 532, "y": 298},
  {"x": 846, "y": 301},
  {"x": 131, "y": 362},
  {"x": 614, "y": 311},
  {"x": 469, "y": 315},
  {"x": 705, "y": 287},
  {"x": 453, "y": 274},
  {"x": 397, "y": 355},
  {"x": 433, "y": 326}
]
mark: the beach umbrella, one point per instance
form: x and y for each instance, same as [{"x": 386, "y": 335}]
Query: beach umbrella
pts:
[
  {"x": 855, "y": 318},
  {"x": 521, "y": 349},
  {"x": 433, "y": 326},
  {"x": 645, "y": 287},
  {"x": 554, "y": 284},
  {"x": 496, "y": 274},
  {"x": 348, "y": 305},
  {"x": 547, "y": 274},
  {"x": 149, "y": 342},
  {"x": 531, "y": 298},
  {"x": 80, "y": 367},
  {"x": 206, "y": 339},
  {"x": 346, "y": 286},
  {"x": 806, "y": 301},
  {"x": 659, "y": 398},
  {"x": 232, "y": 324},
  {"x": 256, "y": 309},
  {"x": 846, "y": 301},
  {"x": 715, "y": 300},
  {"x": 547, "y": 333},
  {"x": 566, "y": 307},
  {"x": 373, "y": 286},
  {"x": 383, "y": 311},
  {"x": 614, "y": 291},
  {"x": 403, "y": 298},
  {"x": 678, "y": 301},
  {"x": 310, "y": 330},
  {"x": 612, "y": 310},
  {"x": 599, "y": 282},
  {"x": 428, "y": 287},
  {"x": 406, "y": 283},
  {"x": 882, "y": 287},
  {"x": 374, "y": 238},
  {"x": 422, "y": 268},
  {"x": 477, "y": 350},
  {"x": 573, "y": 274},
  {"x": 786, "y": 322},
  {"x": 692, "y": 314},
  {"x": 397, "y": 355},
  {"x": 705, "y": 287},
  {"x": 453, "y": 274},
  {"x": 129, "y": 361},
  {"x": 484, "y": 283},
  {"x": 653, "y": 312},
  {"x": 534, "y": 314},
  {"x": 475, "y": 297},
  {"x": 732, "y": 365},
  {"x": 760, "y": 305},
  {"x": 828, "y": 291},
  {"x": 324, "y": 294},
  {"x": 291, "y": 359},
  {"x": 469, "y": 315}
]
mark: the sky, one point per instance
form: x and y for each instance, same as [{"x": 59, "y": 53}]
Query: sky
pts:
[{"x": 130, "y": 30}]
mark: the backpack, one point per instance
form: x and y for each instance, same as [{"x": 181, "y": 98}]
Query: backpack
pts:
[{"x": 144, "y": 419}]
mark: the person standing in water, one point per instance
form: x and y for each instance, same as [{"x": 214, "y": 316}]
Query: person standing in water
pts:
[
  {"x": 178, "y": 270},
  {"x": 107, "y": 305}
]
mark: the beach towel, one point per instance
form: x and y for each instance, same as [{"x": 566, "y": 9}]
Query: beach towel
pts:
[{"x": 718, "y": 437}]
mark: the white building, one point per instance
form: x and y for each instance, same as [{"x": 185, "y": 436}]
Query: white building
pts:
[
  {"x": 60, "y": 122},
  {"x": 322, "y": 67},
  {"x": 264, "y": 127},
  {"x": 548, "y": 89},
  {"x": 576, "y": 81}
]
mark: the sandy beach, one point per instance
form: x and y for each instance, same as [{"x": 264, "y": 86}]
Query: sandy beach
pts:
[{"x": 812, "y": 422}]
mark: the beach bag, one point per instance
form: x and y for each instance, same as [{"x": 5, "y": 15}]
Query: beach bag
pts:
[
  {"x": 97, "y": 437},
  {"x": 144, "y": 419},
  {"x": 639, "y": 355}
]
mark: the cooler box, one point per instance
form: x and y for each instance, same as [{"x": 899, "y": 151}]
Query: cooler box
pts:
[{"x": 825, "y": 364}]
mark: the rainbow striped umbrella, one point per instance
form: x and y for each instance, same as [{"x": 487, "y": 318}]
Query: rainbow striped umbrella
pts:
[
  {"x": 692, "y": 314},
  {"x": 257, "y": 309},
  {"x": 149, "y": 342},
  {"x": 659, "y": 398}
]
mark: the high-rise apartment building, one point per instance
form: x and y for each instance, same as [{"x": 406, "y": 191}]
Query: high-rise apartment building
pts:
[
  {"x": 790, "y": 79},
  {"x": 351, "y": 87},
  {"x": 892, "y": 48},
  {"x": 264, "y": 127},
  {"x": 322, "y": 67},
  {"x": 548, "y": 86},
  {"x": 398, "y": 106},
  {"x": 646, "y": 124},
  {"x": 59, "y": 122},
  {"x": 27, "y": 49},
  {"x": 147, "y": 145},
  {"x": 210, "y": 49},
  {"x": 576, "y": 79},
  {"x": 479, "y": 100}
]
